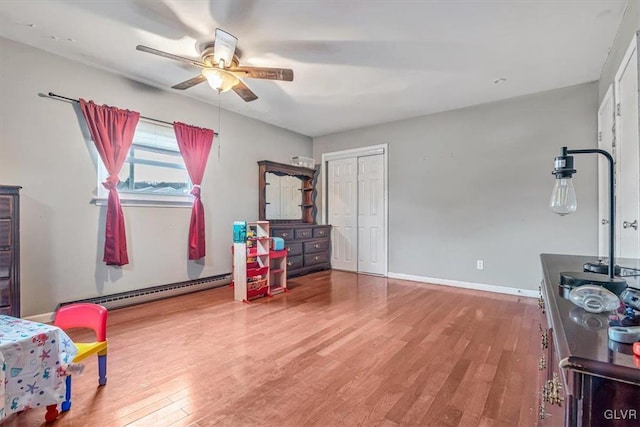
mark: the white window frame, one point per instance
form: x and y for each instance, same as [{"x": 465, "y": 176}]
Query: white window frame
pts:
[{"x": 128, "y": 198}]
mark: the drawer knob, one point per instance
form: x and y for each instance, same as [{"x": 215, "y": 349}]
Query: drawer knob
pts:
[
  {"x": 285, "y": 234},
  {"x": 305, "y": 233},
  {"x": 321, "y": 233},
  {"x": 316, "y": 258},
  {"x": 317, "y": 246},
  {"x": 289, "y": 263},
  {"x": 288, "y": 249}
]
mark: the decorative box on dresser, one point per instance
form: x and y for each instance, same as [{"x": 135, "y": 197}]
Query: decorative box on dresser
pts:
[
  {"x": 308, "y": 246},
  {"x": 585, "y": 378},
  {"x": 10, "y": 250}
]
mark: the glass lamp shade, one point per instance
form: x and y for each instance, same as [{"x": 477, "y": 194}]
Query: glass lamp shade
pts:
[
  {"x": 220, "y": 80},
  {"x": 563, "y": 198}
]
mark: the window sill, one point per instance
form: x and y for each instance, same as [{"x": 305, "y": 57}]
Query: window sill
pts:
[{"x": 142, "y": 200}]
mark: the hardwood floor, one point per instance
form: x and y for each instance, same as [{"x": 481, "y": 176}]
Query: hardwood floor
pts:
[{"x": 340, "y": 350}]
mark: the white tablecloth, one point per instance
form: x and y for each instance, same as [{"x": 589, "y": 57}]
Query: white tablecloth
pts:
[{"x": 34, "y": 357}]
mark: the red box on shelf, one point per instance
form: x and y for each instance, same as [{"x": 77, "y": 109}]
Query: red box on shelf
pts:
[
  {"x": 254, "y": 272},
  {"x": 278, "y": 254},
  {"x": 257, "y": 288}
]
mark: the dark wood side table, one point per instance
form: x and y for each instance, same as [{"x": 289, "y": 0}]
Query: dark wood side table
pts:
[
  {"x": 586, "y": 379},
  {"x": 10, "y": 250}
]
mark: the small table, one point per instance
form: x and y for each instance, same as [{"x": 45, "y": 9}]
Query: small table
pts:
[{"x": 34, "y": 357}]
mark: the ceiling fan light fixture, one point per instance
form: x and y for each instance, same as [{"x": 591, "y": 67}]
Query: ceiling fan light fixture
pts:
[{"x": 220, "y": 80}]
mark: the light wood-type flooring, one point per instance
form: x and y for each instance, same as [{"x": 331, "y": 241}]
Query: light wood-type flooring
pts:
[{"x": 340, "y": 350}]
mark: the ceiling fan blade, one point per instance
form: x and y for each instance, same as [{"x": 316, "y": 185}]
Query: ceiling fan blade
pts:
[
  {"x": 171, "y": 56},
  {"x": 190, "y": 83},
  {"x": 224, "y": 47},
  {"x": 284, "y": 74},
  {"x": 244, "y": 92}
]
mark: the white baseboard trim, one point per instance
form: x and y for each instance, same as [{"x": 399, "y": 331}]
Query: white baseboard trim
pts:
[
  {"x": 41, "y": 318},
  {"x": 48, "y": 317},
  {"x": 467, "y": 285}
]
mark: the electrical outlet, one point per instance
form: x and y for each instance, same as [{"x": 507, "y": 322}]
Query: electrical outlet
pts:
[{"x": 480, "y": 264}]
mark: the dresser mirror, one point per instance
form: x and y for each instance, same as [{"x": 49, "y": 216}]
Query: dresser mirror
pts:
[
  {"x": 282, "y": 196},
  {"x": 286, "y": 193}
]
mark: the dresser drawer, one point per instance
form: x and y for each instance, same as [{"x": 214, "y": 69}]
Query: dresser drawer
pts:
[
  {"x": 303, "y": 233},
  {"x": 315, "y": 258},
  {"x": 294, "y": 249},
  {"x": 316, "y": 246},
  {"x": 285, "y": 233},
  {"x": 294, "y": 262},
  {"x": 5, "y": 234},
  {"x": 5, "y": 292},
  {"x": 6, "y": 206},
  {"x": 5, "y": 264},
  {"x": 321, "y": 232}
]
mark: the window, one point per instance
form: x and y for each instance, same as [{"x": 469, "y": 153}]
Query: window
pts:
[{"x": 153, "y": 173}]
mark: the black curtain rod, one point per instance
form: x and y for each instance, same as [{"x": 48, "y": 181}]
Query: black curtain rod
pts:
[{"x": 53, "y": 95}]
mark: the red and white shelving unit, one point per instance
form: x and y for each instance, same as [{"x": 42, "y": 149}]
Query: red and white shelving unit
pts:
[{"x": 258, "y": 271}]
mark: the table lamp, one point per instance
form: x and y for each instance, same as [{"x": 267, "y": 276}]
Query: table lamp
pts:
[{"x": 563, "y": 202}]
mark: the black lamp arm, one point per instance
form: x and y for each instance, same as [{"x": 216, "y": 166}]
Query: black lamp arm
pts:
[{"x": 612, "y": 201}]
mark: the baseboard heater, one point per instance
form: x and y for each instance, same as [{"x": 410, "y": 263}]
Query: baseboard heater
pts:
[{"x": 139, "y": 296}]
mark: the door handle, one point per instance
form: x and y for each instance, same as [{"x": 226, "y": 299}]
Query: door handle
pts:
[
  {"x": 604, "y": 221},
  {"x": 628, "y": 224}
]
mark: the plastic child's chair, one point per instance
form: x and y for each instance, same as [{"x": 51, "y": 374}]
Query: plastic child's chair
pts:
[{"x": 85, "y": 316}]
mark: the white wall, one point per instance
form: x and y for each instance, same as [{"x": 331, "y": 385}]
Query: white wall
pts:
[
  {"x": 475, "y": 184},
  {"x": 627, "y": 29},
  {"x": 43, "y": 149}
]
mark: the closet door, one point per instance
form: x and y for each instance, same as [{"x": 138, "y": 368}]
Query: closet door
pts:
[
  {"x": 371, "y": 215},
  {"x": 342, "y": 179},
  {"x": 606, "y": 137},
  {"x": 628, "y": 155}
]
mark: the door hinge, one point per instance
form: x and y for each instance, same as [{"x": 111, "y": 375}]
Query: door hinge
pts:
[
  {"x": 600, "y": 136},
  {"x": 618, "y": 112}
]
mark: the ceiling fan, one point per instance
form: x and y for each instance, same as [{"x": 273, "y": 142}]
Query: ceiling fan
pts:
[{"x": 220, "y": 64}]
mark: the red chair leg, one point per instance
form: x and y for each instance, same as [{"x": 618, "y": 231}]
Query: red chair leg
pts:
[{"x": 52, "y": 413}]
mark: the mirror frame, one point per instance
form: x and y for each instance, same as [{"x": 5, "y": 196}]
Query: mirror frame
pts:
[{"x": 306, "y": 175}]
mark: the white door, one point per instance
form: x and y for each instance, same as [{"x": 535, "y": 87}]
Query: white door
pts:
[
  {"x": 605, "y": 142},
  {"x": 343, "y": 212},
  {"x": 628, "y": 155},
  {"x": 371, "y": 220}
]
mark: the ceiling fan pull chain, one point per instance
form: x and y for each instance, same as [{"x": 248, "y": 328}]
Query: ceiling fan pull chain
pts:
[{"x": 218, "y": 130}]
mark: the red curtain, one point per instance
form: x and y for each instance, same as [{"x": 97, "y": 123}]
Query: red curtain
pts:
[
  {"x": 112, "y": 132},
  {"x": 195, "y": 145}
]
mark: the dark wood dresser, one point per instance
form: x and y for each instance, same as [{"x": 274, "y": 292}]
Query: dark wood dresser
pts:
[
  {"x": 10, "y": 250},
  {"x": 308, "y": 246},
  {"x": 585, "y": 378}
]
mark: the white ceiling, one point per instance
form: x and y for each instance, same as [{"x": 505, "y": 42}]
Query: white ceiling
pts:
[{"x": 355, "y": 63}]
